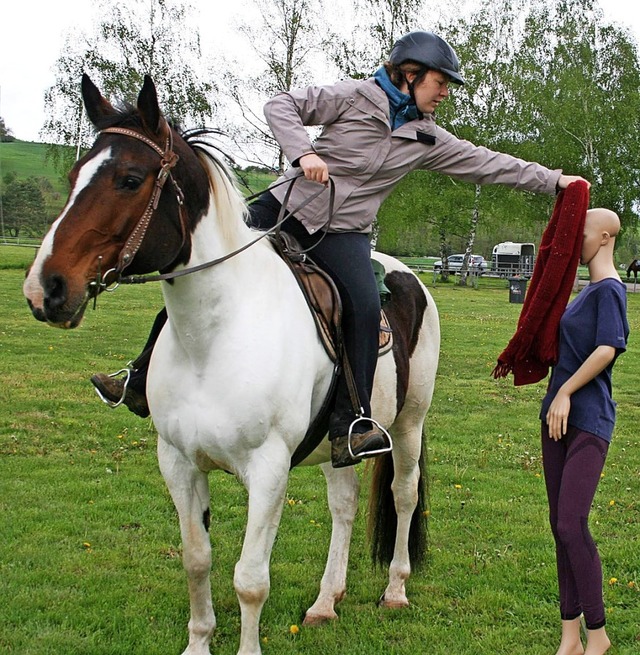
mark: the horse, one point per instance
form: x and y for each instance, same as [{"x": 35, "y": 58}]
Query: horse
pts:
[
  {"x": 239, "y": 371},
  {"x": 634, "y": 267}
]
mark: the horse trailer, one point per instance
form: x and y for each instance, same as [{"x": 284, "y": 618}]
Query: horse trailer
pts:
[{"x": 509, "y": 258}]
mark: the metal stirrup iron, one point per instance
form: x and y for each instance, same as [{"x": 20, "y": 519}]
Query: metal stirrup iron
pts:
[
  {"x": 113, "y": 405},
  {"x": 369, "y": 453},
  {"x": 359, "y": 412}
]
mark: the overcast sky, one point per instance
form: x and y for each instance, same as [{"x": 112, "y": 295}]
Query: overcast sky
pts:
[{"x": 33, "y": 34}]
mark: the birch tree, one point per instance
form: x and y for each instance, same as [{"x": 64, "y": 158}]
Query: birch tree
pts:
[
  {"x": 155, "y": 37},
  {"x": 282, "y": 46}
]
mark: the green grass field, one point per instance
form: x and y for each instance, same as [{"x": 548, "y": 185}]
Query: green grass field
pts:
[{"x": 90, "y": 548}]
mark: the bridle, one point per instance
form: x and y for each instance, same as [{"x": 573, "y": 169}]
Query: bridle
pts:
[{"x": 168, "y": 160}]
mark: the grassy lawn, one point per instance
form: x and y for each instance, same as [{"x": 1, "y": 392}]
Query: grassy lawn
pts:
[{"x": 90, "y": 547}]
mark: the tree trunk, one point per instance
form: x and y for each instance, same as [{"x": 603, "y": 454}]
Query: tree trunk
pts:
[{"x": 464, "y": 271}]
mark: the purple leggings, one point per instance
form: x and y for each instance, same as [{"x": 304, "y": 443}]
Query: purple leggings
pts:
[{"x": 572, "y": 468}]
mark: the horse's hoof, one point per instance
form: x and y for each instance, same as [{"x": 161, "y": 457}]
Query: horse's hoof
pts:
[
  {"x": 314, "y": 620},
  {"x": 393, "y": 604}
]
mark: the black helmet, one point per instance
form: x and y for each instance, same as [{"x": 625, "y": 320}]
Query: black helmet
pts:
[{"x": 428, "y": 49}]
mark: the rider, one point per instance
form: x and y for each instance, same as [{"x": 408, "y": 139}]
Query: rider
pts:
[{"x": 375, "y": 131}]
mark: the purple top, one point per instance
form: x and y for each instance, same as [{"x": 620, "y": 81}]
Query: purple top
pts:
[{"x": 596, "y": 317}]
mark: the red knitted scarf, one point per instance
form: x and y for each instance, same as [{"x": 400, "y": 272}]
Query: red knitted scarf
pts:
[{"x": 534, "y": 346}]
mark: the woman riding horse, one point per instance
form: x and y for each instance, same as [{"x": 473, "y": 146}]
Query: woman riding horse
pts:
[{"x": 375, "y": 131}]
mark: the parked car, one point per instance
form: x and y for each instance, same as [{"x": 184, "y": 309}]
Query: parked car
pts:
[{"x": 454, "y": 264}]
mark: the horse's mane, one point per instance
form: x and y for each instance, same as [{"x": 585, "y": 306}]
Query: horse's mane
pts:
[{"x": 229, "y": 202}]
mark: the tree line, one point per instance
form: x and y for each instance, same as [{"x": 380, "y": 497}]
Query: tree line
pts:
[{"x": 546, "y": 80}]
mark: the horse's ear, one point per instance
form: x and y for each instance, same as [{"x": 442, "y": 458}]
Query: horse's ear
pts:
[
  {"x": 97, "y": 107},
  {"x": 148, "y": 106}
]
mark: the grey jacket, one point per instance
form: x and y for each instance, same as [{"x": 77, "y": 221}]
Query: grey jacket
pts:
[{"x": 366, "y": 159}]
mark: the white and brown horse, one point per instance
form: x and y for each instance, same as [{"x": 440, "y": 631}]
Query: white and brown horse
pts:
[{"x": 238, "y": 372}]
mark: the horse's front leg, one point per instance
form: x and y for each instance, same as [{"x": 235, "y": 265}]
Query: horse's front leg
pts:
[
  {"x": 342, "y": 491},
  {"x": 266, "y": 481},
  {"x": 189, "y": 490}
]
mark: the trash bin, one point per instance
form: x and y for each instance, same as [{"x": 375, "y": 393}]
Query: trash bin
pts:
[{"x": 517, "y": 289}]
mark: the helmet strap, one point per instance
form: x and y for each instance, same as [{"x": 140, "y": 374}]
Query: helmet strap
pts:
[{"x": 419, "y": 76}]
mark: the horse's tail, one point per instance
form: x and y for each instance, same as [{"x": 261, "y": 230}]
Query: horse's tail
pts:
[{"x": 383, "y": 520}]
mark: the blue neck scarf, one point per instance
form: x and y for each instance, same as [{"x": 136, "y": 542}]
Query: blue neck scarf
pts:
[{"x": 401, "y": 106}]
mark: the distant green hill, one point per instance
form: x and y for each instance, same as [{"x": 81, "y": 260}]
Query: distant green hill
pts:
[{"x": 28, "y": 159}]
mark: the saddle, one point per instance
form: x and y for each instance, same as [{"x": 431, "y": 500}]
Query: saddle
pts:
[{"x": 323, "y": 298}]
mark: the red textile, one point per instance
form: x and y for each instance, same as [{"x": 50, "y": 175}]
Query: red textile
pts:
[{"x": 534, "y": 346}]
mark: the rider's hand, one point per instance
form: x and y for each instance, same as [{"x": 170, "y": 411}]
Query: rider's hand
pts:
[
  {"x": 565, "y": 180},
  {"x": 314, "y": 168}
]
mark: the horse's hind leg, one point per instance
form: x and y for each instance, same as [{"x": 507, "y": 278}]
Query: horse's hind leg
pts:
[
  {"x": 407, "y": 448},
  {"x": 189, "y": 490},
  {"x": 342, "y": 491}
]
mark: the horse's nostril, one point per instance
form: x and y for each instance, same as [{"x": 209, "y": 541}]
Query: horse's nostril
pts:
[{"x": 55, "y": 291}]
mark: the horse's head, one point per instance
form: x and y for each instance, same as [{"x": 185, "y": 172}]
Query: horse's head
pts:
[{"x": 135, "y": 198}]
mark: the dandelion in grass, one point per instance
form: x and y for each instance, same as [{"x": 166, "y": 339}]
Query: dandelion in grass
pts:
[
  {"x": 457, "y": 486},
  {"x": 612, "y": 581},
  {"x": 631, "y": 584},
  {"x": 612, "y": 503},
  {"x": 294, "y": 629}
]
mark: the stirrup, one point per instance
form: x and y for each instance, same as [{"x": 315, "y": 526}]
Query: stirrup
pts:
[
  {"x": 127, "y": 372},
  {"x": 369, "y": 453}
]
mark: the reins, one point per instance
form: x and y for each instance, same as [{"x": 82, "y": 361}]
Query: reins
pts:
[
  {"x": 169, "y": 159},
  {"x": 283, "y": 215}
]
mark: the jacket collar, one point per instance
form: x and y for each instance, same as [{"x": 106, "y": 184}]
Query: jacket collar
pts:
[{"x": 372, "y": 92}]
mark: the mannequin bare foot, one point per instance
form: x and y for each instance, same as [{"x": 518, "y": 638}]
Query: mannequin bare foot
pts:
[
  {"x": 570, "y": 643},
  {"x": 571, "y": 649},
  {"x": 597, "y": 642}
]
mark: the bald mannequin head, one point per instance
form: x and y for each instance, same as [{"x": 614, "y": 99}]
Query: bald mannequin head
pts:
[
  {"x": 602, "y": 220},
  {"x": 601, "y": 227}
]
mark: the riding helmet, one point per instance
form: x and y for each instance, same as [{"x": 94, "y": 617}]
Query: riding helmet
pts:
[{"x": 428, "y": 49}]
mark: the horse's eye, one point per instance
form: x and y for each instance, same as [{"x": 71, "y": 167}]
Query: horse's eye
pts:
[{"x": 130, "y": 182}]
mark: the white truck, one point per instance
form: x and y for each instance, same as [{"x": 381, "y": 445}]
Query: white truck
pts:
[{"x": 510, "y": 258}]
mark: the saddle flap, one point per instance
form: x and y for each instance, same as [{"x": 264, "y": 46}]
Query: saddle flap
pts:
[
  {"x": 323, "y": 297},
  {"x": 319, "y": 291}
]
